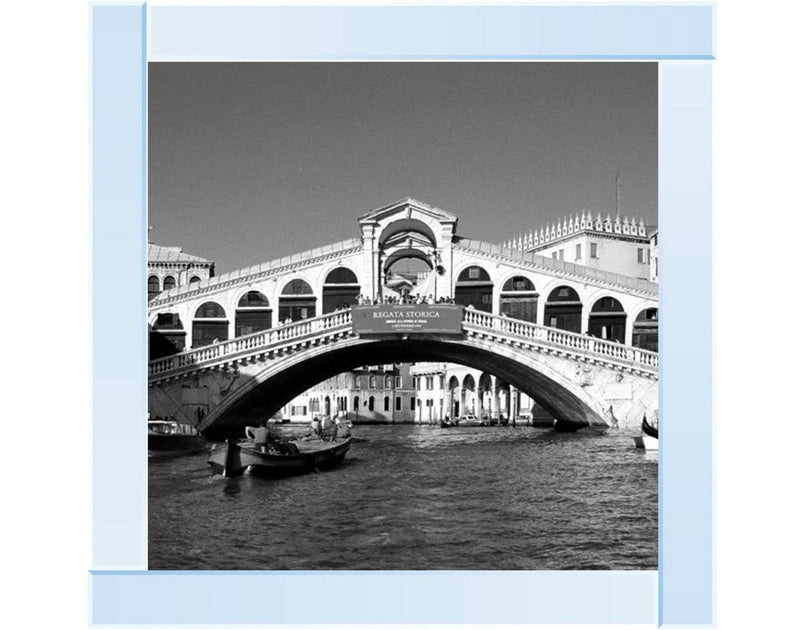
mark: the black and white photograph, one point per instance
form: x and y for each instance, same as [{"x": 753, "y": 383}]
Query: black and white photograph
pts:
[{"x": 402, "y": 316}]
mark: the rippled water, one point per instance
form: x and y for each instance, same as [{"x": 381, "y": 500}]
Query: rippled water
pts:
[{"x": 419, "y": 497}]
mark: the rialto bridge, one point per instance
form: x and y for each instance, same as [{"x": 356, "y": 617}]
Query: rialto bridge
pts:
[{"x": 232, "y": 350}]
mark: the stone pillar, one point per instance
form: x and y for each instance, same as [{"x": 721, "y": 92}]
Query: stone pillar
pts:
[
  {"x": 629, "y": 331},
  {"x": 585, "y": 308},
  {"x": 369, "y": 280},
  {"x": 495, "y": 400},
  {"x": 451, "y": 402},
  {"x": 514, "y": 405}
]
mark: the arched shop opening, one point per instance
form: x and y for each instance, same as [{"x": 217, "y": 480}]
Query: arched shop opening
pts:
[
  {"x": 296, "y": 302},
  {"x": 253, "y": 314},
  {"x": 341, "y": 289},
  {"x": 563, "y": 309},
  {"x": 167, "y": 336},
  {"x": 646, "y": 330},
  {"x": 607, "y": 320},
  {"x": 474, "y": 287},
  {"x": 468, "y": 402},
  {"x": 519, "y": 300},
  {"x": 153, "y": 287},
  {"x": 209, "y": 324}
]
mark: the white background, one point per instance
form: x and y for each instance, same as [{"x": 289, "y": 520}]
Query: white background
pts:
[{"x": 46, "y": 511}]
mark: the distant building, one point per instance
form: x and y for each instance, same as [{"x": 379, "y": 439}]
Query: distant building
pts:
[
  {"x": 620, "y": 246},
  {"x": 654, "y": 256},
  {"x": 169, "y": 267},
  {"x": 377, "y": 393}
]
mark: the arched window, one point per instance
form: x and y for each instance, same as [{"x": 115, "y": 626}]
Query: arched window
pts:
[
  {"x": 607, "y": 319},
  {"x": 153, "y": 287},
  {"x": 389, "y": 382},
  {"x": 253, "y": 314},
  {"x": 166, "y": 337},
  {"x": 341, "y": 290},
  {"x": 195, "y": 279},
  {"x": 646, "y": 330},
  {"x": 296, "y": 302},
  {"x": 371, "y": 403},
  {"x": 168, "y": 283},
  {"x": 519, "y": 300},
  {"x": 387, "y": 404},
  {"x": 209, "y": 325},
  {"x": 474, "y": 287},
  {"x": 356, "y": 403},
  {"x": 563, "y": 309}
]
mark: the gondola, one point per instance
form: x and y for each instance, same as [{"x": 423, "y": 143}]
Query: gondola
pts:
[{"x": 276, "y": 459}]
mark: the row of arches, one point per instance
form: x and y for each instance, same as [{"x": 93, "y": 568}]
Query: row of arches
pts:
[
  {"x": 518, "y": 299},
  {"x": 168, "y": 282}
]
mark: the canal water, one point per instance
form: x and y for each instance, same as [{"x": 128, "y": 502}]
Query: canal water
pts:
[{"x": 419, "y": 497}]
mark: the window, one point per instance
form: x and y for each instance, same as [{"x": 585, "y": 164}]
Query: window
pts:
[
  {"x": 555, "y": 255},
  {"x": 593, "y": 250},
  {"x": 372, "y": 383},
  {"x": 429, "y": 382},
  {"x": 474, "y": 273},
  {"x": 195, "y": 279},
  {"x": 578, "y": 251},
  {"x": 561, "y": 254},
  {"x": 357, "y": 403},
  {"x": 398, "y": 403},
  {"x": 553, "y": 321},
  {"x": 315, "y": 405},
  {"x": 397, "y": 382},
  {"x": 371, "y": 403},
  {"x": 169, "y": 283},
  {"x": 153, "y": 286},
  {"x": 640, "y": 255},
  {"x": 387, "y": 403},
  {"x": 441, "y": 381},
  {"x": 413, "y": 404}
]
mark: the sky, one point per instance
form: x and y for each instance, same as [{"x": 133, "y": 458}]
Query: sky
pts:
[{"x": 248, "y": 162}]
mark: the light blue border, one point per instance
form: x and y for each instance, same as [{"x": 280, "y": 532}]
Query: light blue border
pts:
[{"x": 134, "y": 596}]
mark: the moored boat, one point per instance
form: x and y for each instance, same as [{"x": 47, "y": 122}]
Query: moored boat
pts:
[
  {"x": 274, "y": 458},
  {"x": 169, "y": 437},
  {"x": 649, "y": 439}
]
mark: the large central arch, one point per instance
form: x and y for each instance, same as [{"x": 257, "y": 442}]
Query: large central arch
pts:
[{"x": 267, "y": 391}]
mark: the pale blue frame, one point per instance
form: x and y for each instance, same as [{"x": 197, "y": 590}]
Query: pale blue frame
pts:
[{"x": 680, "y": 36}]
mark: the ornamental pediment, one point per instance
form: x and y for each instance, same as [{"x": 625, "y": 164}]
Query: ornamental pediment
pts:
[{"x": 408, "y": 208}]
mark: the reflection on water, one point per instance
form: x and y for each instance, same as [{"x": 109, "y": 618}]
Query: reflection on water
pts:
[{"x": 411, "y": 497}]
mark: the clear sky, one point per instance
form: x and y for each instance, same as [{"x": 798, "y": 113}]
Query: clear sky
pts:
[{"x": 251, "y": 161}]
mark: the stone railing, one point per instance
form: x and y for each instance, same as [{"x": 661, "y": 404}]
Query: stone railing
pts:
[
  {"x": 255, "y": 343},
  {"x": 559, "y": 267},
  {"x": 584, "y": 344},
  {"x": 340, "y": 322}
]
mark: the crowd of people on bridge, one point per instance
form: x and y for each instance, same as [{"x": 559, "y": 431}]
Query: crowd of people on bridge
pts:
[{"x": 365, "y": 300}]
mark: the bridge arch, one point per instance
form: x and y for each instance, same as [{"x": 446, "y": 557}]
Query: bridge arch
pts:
[
  {"x": 645, "y": 334},
  {"x": 519, "y": 298},
  {"x": 563, "y": 309},
  {"x": 340, "y": 288},
  {"x": 474, "y": 287},
  {"x": 406, "y": 226},
  {"x": 607, "y": 319},
  {"x": 252, "y": 313},
  {"x": 210, "y": 324},
  {"x": 262, "y": 394},
  {"x": 297, "y": 301}
]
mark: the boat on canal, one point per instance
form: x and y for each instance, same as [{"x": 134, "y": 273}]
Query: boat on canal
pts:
[
  {"x": 170, "y": 437},
  {"x": 649, "y": 439},
  {"x": 277, "y": 458}
]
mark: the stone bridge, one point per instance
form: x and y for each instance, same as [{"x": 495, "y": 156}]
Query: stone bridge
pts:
[
  {"x": 576, "y": 378},
  {"x": 231, "y": 350}
]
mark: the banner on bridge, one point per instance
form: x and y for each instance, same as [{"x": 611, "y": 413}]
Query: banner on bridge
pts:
[{"x": 407, "y": 318}]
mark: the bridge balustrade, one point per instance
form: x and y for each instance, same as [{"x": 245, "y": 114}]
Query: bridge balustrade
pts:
[{"x": 298, "y": 331}]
